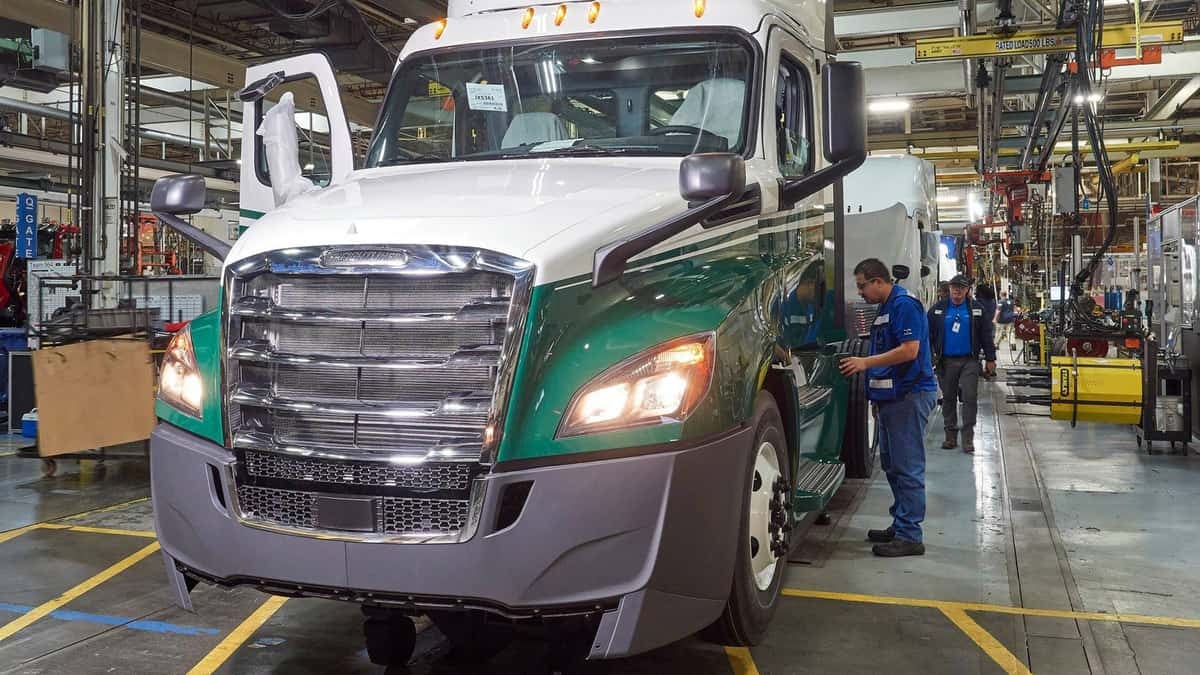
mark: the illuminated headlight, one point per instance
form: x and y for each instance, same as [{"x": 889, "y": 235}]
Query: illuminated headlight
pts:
[
  {"x": 660, "y": 385},
  {"x": 179, "y": 382}
]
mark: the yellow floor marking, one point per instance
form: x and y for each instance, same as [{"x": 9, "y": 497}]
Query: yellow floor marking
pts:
[
  {"x": 11, "y": 534},
  {"x": 986, "y": 641},
  {"x": 235, "y": 639},
  {"x": 104, "y": 509},
  {"x": 149, "y": 534},
  {"x": 45, "y": 608},
  {"x": 741, "y": 661},
  {"x": 998, "y": 609}
]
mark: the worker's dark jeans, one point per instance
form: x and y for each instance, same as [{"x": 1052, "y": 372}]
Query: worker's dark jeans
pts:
[
  {"x": 902, "y": 456},
  {"x": 959, "y": 378}
]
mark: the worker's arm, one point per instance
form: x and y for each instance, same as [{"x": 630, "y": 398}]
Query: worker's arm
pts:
[{"x": 907, "y": 351}]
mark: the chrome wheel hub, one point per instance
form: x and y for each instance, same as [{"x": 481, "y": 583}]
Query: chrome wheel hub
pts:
[{"x": 769, "y": 524}]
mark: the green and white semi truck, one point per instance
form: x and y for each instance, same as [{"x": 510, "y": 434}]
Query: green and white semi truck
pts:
[{"x": 561, "y": 352}]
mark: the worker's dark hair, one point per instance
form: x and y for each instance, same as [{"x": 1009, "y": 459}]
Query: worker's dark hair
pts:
[{"x": 873, "y": 268}]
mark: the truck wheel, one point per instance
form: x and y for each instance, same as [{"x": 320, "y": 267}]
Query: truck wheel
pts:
[
  {"x": 391, "y": 637},
  {"x": 763, "y": 540},
  {"x": 472, "y": 637},
  {"x": 859, "y": 443}
]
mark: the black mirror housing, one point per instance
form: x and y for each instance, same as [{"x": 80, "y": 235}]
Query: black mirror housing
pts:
[
  {"x": 707, "y": 176},
  {"x": 845, "y": 122},
  {"x": 901, "y": 272},
  {"x": 260, "y": 88},
  {"x": 180, "y": 194}
]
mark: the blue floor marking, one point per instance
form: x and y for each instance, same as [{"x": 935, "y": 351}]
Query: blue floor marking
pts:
[{"x": 152, "y": 626}]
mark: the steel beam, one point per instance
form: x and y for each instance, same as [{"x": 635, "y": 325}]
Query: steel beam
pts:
[
  {"x": 176, "y": 56},
  {"x": 1169, "y": 104}
]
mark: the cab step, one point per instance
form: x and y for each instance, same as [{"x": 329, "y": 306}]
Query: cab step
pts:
[{"x": 816, "y": 481}]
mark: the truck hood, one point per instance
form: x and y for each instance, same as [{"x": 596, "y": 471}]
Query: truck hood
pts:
[{"x": 509, "y": 206}]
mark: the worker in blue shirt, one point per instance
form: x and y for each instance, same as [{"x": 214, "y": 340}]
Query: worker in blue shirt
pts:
[
  {"x": 959, "y": 330},
  {"x": 900, "y": 382}
]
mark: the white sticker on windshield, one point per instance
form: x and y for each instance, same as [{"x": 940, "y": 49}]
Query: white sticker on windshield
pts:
[{"x": 487, "y": 97}]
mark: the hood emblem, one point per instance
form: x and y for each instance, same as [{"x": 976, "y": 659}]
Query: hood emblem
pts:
[{"x": 365, "y": 258}]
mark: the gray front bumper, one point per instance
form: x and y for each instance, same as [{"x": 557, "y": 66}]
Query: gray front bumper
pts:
[{"x": 647, "y": 541}]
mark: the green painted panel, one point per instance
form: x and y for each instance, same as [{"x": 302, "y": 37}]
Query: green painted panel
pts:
[
  {"x": 206, "y": 340},
  {"x": 574, "y": 332}
]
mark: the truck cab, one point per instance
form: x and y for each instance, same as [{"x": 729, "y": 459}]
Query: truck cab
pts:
[{"x": 561, "y": 351}]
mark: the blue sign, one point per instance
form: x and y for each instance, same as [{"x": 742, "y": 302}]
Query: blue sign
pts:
[
  {"x": 1085, "y": 204},
  {"x": 27, "y": 226}
]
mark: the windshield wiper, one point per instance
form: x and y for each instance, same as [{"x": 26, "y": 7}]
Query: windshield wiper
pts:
[{"x": 421, "y": 158}]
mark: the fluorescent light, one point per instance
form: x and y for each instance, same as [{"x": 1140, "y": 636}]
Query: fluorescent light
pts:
[
  {"x": 889, "y": 105},
  {"x": 308, "y": 167},
  {"x": 1094, "y": 97},
  {"x": 948, "y": 199}
]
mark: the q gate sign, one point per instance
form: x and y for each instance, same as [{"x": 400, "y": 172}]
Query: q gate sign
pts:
[{"x": 26, "y": 226}]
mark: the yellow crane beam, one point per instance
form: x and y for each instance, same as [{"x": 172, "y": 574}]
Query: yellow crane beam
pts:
[
  {"x": 1045, "y": 41},
  {"x": 1084, "y": 149}
]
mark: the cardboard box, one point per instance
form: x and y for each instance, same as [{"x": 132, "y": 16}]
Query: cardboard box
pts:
[{"x": 93, "y": 394}]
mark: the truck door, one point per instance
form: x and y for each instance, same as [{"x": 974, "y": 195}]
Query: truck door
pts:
[
  {"x": 326, "y": 153},
  {"x": 797, "y": 232}
]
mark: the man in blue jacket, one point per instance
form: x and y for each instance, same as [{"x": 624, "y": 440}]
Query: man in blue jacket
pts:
[
  {"x": 959, "y": 330},
  {"x": 900, "y": 383}
]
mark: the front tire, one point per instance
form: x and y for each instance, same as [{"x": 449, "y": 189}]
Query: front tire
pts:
[{"x": 763, "y": 536}]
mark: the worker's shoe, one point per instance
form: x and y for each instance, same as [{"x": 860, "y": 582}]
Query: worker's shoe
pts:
[
  {"x": 969, "y": 443},
  {"x": 897, "y": 548},
  {"x": 951, "y": 441},
  {"x": 881, "y": 536}
]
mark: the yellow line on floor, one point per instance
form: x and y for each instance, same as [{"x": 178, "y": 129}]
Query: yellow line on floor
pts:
[
  {"x": 149, "y": 534},
  {"x": 10, "y": 628},
  {"x": 998, "y": 609},
  {"x": 238, "y": 637},
  {"x": 12, "y": 534},
  {"x": 741, "y": 661},
  {"x": 104, "y": 509},
  {"x": 986, "y": 641}
]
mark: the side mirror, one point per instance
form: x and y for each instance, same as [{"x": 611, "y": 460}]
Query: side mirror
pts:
[
  {"x": 258, "y": 89},
  {"x": 844, "y": 126},
  {"x": 901, "y": 272},
  {"x": 178, "y": 195},
  {"x": 845, "y": 112},
  {"x": 707, "y": 176},
  {"x": 181, "y": 195}
]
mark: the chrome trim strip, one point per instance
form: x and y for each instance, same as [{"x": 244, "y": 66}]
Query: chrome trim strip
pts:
[
  {"x": 474, "y": 511},
  {"x": 465, "y": 404},
  {"x": 518, "y": 313},
  {"x": 262, "y": 308},
  {"x": 444, "y": 452},
  {"x": 261, "y": 352},
  {"x": 423, "y": 261}
]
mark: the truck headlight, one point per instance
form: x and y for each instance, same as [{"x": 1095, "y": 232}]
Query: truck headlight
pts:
[
  {"x": 660, "y": 385},
  {"x": 179, "y": 382}
]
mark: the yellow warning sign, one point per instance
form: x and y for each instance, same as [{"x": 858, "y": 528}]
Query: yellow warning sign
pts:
[{"x": 1045, "y": 41}]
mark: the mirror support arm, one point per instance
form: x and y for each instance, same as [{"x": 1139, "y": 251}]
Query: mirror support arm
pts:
[
  {"x": 793, "y": 191},
  {"x": 204, "y": 240},
  {"x": 610, "y": 259}
]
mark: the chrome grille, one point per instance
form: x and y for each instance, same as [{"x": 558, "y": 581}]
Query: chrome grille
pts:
[
  {"x": 456, "y": 476},
  {"x": 369, "y": 377}
]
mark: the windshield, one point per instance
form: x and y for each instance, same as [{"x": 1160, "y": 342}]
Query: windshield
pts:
[{"x": 674, "y": 97}]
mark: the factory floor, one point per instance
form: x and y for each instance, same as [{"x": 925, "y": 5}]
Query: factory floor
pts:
[{"x": 1051, "y": 550}]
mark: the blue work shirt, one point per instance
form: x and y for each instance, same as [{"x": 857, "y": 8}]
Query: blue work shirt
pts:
[
  {"x": 958, "y": 342},
  {"x": 901, "y": 319}
]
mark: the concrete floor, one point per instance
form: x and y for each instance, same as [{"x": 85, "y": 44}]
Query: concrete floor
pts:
[{"x": 1070, "y": 527}]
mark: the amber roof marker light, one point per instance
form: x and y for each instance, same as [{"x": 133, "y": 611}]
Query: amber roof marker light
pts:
[
  {"x": 527, "y": 18},
  {"x": 439, "y": 27},
  {"x": 560, "y": 15},
  {"x": 698, "y": 7},
  {"x": 593, "y": 12}
]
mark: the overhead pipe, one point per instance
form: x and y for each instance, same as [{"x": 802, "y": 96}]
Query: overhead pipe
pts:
[
  {"x": 66, "y": 116},
  {"x": 966, "y": 26},
  {"x": 1051, "y": 75}
]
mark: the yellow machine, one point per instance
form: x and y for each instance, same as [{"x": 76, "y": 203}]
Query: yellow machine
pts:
[{"x": 1085, "y": 389}]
